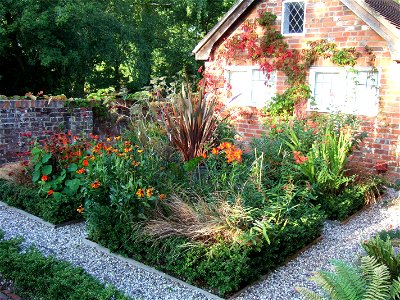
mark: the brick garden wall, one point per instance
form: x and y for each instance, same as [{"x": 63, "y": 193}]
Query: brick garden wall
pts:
[
  {"x": 334, "y": 21},
  {"x": 38, "y": 118}
]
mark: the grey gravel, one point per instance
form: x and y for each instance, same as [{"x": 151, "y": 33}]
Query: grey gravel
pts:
[{"x": 338, "y": 242}]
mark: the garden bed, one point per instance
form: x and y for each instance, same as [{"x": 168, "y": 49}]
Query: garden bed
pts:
[
  {"x": 143, "y": 195},
  {"x": 28, "y": 200}
]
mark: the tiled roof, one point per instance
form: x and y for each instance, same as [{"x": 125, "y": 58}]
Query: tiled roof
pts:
[{"x": 389, "y": 9}]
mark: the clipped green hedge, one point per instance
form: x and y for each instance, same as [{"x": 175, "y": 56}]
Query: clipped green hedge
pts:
[
  {"x": 221, "y": 267},
  {"x": 35, "y": 276},
  {"x": 28, "y": 199}
]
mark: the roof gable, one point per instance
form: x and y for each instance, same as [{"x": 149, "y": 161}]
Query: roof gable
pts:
[{"x": 383, "y": 16}]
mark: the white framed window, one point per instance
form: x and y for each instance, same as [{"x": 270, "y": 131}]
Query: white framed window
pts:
[
  {"x": 250, "y": 86},
  {"x": 351, "y": 91},
  {"x": 293, "y": 17}
]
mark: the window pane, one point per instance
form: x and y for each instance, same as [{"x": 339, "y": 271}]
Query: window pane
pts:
[
  {"x": 239, "y": 88},
  {"x": 293, "y": 21},
  {"x": 362, "y": 94},
  {"x": 262, "y": 87},
  {"x": 327, "y": 91},
  {"x": 296, "y": 17}
]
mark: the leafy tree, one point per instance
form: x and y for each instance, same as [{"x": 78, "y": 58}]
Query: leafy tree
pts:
[{"x": 59, "y": 46}]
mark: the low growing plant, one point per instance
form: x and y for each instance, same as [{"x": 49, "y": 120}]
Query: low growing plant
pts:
[{"x": 35, "y": 276}]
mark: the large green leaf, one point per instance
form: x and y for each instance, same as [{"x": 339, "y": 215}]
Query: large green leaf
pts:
[
  {"x": 46, "y": 158},
  {"x": 47, "y": 169}
]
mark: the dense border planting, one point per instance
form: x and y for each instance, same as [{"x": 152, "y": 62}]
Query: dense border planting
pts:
[{"x": 35, "y": 276}]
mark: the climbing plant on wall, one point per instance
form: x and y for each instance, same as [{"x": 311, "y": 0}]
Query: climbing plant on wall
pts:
[{"x": 271, "y": 52}]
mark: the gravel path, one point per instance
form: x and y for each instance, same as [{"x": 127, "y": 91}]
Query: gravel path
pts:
[{"x": 339, "y": 242}]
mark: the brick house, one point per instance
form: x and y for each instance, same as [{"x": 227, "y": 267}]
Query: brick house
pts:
[{"x": 347, "y": 23}]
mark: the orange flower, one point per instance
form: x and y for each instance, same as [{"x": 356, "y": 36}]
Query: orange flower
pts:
[
  {"x": 225, "y": 145},
  {"x": 215, "y": 151},
  {"x": 44, "y": 178},
  {"x": 126, "y": 150},
  {"x": 85, "y": 163},
  {"x": 81, "y": 171},
  {"x": 135, "y": 163},
  {"x": 95, "y": 185},
  {"x": 204, "y": 155},
  {"x": 149, "y": 192},
  {"x": 299, "y": 158},
  {"x": 162, "y": 197},
  {"x": 140, "y": 193},
  {"x": 49, "y": 193},
  {"x": 80, "y": 209}
]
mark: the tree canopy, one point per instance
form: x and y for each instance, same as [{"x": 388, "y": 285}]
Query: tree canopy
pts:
[{"x": 61, "y": 46}]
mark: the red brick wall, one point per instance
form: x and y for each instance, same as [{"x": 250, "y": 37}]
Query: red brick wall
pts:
[{"x": 334, "y": 21}]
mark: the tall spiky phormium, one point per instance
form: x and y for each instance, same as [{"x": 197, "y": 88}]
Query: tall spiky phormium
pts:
[{"x": 190, "y": 121}]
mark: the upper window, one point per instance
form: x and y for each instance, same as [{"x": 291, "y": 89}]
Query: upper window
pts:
[
  {"x": 344, "y": 90},
  {"x": 250, "y": 86},
  {"x": 293, "y": 18}
]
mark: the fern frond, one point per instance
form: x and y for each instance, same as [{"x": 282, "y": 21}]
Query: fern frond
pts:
[
  {"x": 395, "y": 289},
  {"x": 351, "y": 279},
  {"x": 378, "y": 279},
  {"x": 308, "y": 294}
]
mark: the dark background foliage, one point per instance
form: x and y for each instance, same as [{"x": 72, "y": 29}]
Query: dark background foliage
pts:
[{"x": 61, "y": 46}]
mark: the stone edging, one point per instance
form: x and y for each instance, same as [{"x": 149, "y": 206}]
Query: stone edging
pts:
[{"x": 150, "y": 269}]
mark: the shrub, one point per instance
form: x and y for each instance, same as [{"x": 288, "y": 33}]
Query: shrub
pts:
[
  {"x": 35, "y": 276},
  {"x": 55, "y": 211},
  {"x": 124, "y": 177}
]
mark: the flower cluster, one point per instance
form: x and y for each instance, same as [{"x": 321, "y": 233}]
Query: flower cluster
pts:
[
  {"x": 299, "y": 158},
  {"x": 142, "y": 192},
  {"x": 231, "y": 152}
]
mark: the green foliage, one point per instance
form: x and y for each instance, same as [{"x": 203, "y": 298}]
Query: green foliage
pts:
[
  {"x": 125, "y": 177},
  {"x": 38, "y": 277},
  {"x": 75, "y": 45},
  {"x": 283, "y": 104},
  {"x": 370, "y": 281},
  {"x": 323, "y": 164},
  {"x": 383, "y": 252},
  {"x": 54, "y": 210}
]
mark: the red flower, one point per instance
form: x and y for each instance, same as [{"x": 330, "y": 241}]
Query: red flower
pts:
[
  {"x": 95, "y": 185},
  {"x": 44, "y": 178},
  {"x": 85, "y": 163},
  {"x": 49, "y": 193}
]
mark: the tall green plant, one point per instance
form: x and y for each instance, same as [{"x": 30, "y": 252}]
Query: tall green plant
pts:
[
  {"x": 324, "y": 163},
  {"x": 190, "y": 122}
]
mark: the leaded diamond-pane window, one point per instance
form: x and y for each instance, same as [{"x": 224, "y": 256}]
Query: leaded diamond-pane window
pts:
[{"x": 293, "y": 17}]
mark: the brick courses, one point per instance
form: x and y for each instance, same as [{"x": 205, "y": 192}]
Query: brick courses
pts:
[
  {"x": 38, "y": 118},
  {"x": 333, "y": 21}
]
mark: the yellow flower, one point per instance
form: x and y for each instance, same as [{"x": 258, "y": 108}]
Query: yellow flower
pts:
[
  {"x": 80, "y": 209},
  {"x": 149, "y": 192},
  {"x": 117, "y": 138},
  {"x": 140, "y": 193},
  {"x": 140, "y": 151}
]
